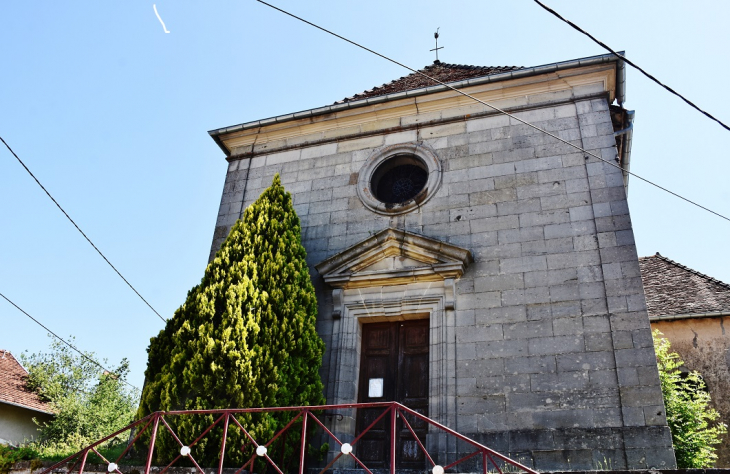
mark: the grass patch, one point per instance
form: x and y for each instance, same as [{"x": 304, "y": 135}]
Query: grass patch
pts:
[{"x": 111, "y": 452}]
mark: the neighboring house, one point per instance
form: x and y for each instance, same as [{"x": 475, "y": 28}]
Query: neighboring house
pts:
[
  {"x": 693, "y": 312},
  {"x": 18, "y": 404},
  {"x": 470, "y": 266}
]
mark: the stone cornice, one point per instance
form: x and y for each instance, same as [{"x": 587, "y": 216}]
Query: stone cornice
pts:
[{"x": 399, "y": 113}]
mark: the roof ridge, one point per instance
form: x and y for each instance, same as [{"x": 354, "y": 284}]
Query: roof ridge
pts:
[
  {"x": 438, "y": 69},
  {"x": 691, "y": 270},
  {"x": 470, "y": 66}
]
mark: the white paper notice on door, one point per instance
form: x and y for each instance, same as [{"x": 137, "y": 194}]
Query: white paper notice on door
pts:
[{"x": 375, "y": 388}]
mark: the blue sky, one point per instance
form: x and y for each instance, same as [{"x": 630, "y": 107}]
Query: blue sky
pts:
[{"x": 111, "y": 114}]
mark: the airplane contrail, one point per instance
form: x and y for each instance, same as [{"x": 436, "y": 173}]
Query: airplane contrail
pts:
[{"x": 154, "y": 7}]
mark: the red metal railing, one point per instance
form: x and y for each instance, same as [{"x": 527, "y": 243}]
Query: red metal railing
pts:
[{"x": 304, "y": 415}]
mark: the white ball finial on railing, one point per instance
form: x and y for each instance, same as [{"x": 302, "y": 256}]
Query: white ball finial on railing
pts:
[
  {"x": 185, "y": 451},
  {"x": 261, "y": 450},
  {"x": 111, "y": 467},
  {"x": 437, "y": 469},
  {"x": 346, "y": 448}
]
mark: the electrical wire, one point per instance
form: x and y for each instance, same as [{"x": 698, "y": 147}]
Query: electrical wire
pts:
[
  {"x": 63, "y": 340},
  {"x": 79, "y": 229},
  {"x": 631, "y": 63},
  {"x": 497, "y": 109}
]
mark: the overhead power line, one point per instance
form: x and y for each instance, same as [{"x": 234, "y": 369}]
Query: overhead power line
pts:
[
  {"x": 631, "y": 63},
  {"x": 493, "y": 108},
  {"x": 64, "y": 341},
  {"x": 81, "y": 231}
]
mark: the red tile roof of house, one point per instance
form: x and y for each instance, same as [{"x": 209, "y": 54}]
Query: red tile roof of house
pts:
[
  {"x": 438, "y": 70},
  {"x": 13, "y": 387},
  {"x": 673, "y": 289}
]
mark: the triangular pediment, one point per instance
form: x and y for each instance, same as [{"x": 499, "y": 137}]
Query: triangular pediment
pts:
[{"x": 394, "y": 257}]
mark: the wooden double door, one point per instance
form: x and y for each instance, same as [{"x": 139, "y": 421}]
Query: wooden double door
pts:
[{"x": 393, "y": 367}]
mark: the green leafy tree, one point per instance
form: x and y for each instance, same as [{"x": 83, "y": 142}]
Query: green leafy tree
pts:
[
  {"x": 244, "y": 338},
  {"x": 688, "y": 410},
  {"x": 89, "y": 403}
]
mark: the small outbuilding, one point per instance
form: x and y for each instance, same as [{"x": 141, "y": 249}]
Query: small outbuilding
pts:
[
  {"x": 18, "y": 404},
  {"x": 692, "y": 310}
]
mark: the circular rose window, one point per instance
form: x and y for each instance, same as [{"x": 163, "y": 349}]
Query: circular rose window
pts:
[{"x": 399, "y": 178}]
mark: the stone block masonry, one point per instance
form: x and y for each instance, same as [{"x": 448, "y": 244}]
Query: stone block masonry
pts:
[{"x": 553, "y": 362}]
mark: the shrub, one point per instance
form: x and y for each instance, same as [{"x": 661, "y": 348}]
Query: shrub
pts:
[
  {"x": 688, "y": 410},
  {"x": 9, "y": 455}
]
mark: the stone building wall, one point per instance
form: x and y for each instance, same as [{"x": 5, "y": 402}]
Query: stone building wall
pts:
[{"x": 554, "y": 362}]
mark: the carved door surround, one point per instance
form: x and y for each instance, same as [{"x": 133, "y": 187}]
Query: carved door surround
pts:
[{"x": 394, "y": 275}]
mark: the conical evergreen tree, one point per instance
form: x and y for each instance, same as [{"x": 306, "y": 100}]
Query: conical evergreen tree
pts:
[{"x": 245, "y": 336}]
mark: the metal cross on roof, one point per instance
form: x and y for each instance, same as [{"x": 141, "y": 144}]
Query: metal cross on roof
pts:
[{"x": 436, "y": 35}]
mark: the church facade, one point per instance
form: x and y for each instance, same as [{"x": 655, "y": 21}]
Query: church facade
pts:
[{"x": 469, "y": 266}]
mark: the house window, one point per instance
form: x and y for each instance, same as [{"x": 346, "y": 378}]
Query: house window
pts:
[{"x": 399, "y": 178}]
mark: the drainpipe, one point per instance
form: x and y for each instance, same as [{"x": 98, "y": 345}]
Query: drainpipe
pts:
[
  {"x": 621, "y": 80},
  {"x": 627, "y": 134}
]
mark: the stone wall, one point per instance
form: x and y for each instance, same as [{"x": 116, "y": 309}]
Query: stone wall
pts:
[
  {"x": 29, "y": 467},
  {"x": 25, "y": 468},
  {"x": 554, "y": 362}
]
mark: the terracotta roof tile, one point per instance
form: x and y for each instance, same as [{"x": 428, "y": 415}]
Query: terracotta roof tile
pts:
[
  {"x": 13, "y": 388},
  {"x": 672, "y": 289},
  {"x": 438, "y": 70}
]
